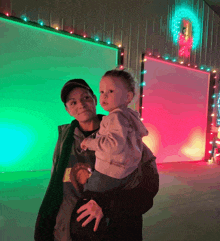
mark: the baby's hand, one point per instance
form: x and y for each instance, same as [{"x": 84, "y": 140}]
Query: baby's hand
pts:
[{"x": 83, "y": 145}]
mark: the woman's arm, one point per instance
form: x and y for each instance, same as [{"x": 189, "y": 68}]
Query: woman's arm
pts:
[
  {"x": 119, "y": 204},
  {"x": 130, "y": 202},
  {"x": 135, "y": 201}
]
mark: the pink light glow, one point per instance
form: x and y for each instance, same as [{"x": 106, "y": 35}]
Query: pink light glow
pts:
[
  {"x": 153, "y": 140},
  {"x": 193, "y": 148},
  {"x": 7, "y": 14},
  {"x": 185, "y": 46},
  {"x": 175, "y": 113}
]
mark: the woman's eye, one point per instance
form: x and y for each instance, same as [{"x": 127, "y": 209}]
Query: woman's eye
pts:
[
  {"x": 101, "y": 92},
  {"x": 73, "y": 103},
  {"x": 86, "y": 97},
  {"x": 111, "y": 91}
]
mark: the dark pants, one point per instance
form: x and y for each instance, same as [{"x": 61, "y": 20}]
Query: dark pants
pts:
[
  {"x": 128, "y": 229},
  {"x": 122, "y": 229}
]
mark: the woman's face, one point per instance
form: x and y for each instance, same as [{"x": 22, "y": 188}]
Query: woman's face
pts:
[{"x": 81, "y": 104}]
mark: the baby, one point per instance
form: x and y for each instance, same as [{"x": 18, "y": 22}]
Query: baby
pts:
[{"x": 118, "y": 144}]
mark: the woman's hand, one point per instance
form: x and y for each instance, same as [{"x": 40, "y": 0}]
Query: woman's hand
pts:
[{"x": 93, "y": 210}]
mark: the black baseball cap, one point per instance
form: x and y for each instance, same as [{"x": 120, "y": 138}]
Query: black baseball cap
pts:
[{"x": 71, "y": 84}]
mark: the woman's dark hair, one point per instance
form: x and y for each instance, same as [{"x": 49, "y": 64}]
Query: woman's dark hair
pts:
[{"x": 125, "y": 76}]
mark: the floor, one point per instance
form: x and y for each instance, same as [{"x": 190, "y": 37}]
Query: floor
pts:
[{"x": 187, "y": 206}]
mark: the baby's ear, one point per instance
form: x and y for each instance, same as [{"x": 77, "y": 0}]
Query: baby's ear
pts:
[{"x": 130, "y": 96}]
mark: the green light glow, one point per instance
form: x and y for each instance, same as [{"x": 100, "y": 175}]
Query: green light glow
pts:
[
  {"x": 166, "y": 56},
  {"x": 143, "y": 84},
  {"x": 184, "y": 12},
  {"x": 32, "y": 75},
  {"x": 16, "y": 143},
  {"x": 40, "y": 22}
]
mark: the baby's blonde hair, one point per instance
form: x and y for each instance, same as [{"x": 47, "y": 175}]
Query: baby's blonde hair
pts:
[{"x": 125, "y": 76}]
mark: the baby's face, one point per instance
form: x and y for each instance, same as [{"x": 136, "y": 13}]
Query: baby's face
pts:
[{"x": 113, "y": 93}]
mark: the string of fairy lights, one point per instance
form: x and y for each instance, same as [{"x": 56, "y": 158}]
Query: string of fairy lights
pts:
[
  {"x": 213, "y": 119},
  {"x": 214, "y": 103},
  {"x": 40, "y": 23}
]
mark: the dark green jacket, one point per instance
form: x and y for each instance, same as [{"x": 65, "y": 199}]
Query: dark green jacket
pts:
[{"x": 134, "y": 202}]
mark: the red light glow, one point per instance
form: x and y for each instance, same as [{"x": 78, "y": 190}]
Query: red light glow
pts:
[
  {"x": 153, "y": 140},
  {"x": 193, "y": 147},
  {"x": 175, "y": 111},
  {"x": 185, "y": 46}
]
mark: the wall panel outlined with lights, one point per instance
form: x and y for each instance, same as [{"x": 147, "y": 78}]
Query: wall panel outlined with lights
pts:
[
  {"x": 35, "y": 64},
  {"x": 175, "y": 107}
]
